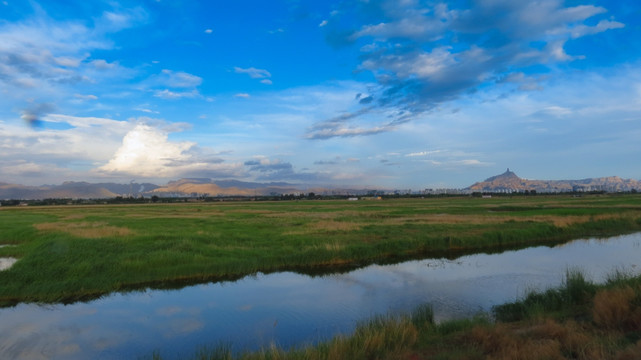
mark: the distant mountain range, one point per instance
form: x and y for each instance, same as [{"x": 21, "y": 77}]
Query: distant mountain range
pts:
[
  {"x": 207, "y": 187},
  {"x": 183, "y": 187},
  {"x": 509, "y": 182},
  {"x": 73, "y": 190}
]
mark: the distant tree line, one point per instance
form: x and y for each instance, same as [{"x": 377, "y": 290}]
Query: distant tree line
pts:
[{"x": 278, "y": 197}]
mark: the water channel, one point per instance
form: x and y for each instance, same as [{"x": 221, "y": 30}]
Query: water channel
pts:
[{"x": 292, "y": 309}]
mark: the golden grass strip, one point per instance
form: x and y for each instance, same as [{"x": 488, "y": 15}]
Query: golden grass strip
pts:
[{"x": 89, "y": 230}]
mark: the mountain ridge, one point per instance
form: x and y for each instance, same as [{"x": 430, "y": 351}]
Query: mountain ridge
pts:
[
  {"x": 510, "y": 182},
  {"x": 507, "y": 182}
]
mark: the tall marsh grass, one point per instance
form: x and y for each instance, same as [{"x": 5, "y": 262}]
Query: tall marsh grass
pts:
[
  {"x": 578, "y": 320},
  {"x": 575, "y": 292}
]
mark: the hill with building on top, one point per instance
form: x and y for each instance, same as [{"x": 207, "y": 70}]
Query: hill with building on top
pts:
[{"x": 509, "y": 182}]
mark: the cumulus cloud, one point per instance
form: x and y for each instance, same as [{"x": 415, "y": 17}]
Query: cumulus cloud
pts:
[
  {"x": 61, "y": 148},
  {"x": 424, "y": 55},
  {"x": 147, "y": 152}
]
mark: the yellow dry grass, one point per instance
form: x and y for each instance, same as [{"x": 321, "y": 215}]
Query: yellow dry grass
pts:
[
  {"x": 90, "y": 230},
  {"x": 334, "y": 218},
  {"x": 632, "y": 353},
  {"x": 545, "y": 339},
  {"x": 615, "y": 309},
  {"x": 311, "y": 215},
  {"x": 451, "y": 219}
]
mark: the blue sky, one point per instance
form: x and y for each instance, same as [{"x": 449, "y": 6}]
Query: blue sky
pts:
[{"x": 384, "y": 94}]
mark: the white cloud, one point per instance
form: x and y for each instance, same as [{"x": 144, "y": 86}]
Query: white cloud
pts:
[
  {"x": 46, "y": 60},
  {"x": 85, "y": 97},
  {"x": 173, "y": 95},
  {"x": 55, "y": 152},
  {"x": 149, "y": 111},
  {"x": 177, "y": 79},
  {"x": 254, "y": 73},
  {"x": 103, "y": 64},
  {"x": 424, "y": 153},
  {"x": 242, "y": 95},
  {"x": 486, "y": 40},
  {"x": 209, "y": 31},
  {"x": 147, "y": 152}
]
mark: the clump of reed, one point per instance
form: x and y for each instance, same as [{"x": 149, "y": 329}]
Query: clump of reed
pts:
[
  {"x": 576, "y": 291},
  {"x": 618, "y": 308}
]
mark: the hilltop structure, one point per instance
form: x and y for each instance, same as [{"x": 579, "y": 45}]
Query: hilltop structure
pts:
[{"x": 509, "y": 182}]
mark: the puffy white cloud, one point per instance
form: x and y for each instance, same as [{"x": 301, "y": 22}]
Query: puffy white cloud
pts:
[
  {"x": 147, "y": 152},
  {"x": 60, "y": 148}
]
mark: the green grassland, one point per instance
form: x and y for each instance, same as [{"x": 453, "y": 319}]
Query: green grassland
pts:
[{"x": 71, "y": 253}]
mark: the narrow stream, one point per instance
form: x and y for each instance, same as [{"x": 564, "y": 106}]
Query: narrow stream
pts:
[{"x": 290, "y": 309}]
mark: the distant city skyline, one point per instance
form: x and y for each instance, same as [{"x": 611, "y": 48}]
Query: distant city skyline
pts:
[{"x": 390, "y": 94}]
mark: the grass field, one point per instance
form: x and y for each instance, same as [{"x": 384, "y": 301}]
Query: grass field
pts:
[{"x": 71, "y": 253}]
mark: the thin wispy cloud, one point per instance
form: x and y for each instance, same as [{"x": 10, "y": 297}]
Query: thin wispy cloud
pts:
[{"x": 253, "y": 72}]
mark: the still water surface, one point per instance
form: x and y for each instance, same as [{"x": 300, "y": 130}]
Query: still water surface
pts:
[{"x": 292, "y": 309}]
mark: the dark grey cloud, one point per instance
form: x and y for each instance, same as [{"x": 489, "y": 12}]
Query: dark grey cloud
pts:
[
  {"x": 327, "y": 162},
  {"x": 33, "y": 114},
  {"x": 424, "y": 54},
  {"x": 268, "y": 167},
  {"x": 282, "y": 171}
]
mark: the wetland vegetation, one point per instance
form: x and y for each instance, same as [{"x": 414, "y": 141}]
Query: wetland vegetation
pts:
[
  {"x": 578, "y": 320},
  {"x": 72, "y": 253}
]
